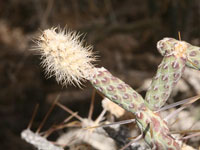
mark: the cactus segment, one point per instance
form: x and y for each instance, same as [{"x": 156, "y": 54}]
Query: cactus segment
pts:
[
  {"x": 166, "y": 46},
  {"x": 193, "y": 57},
  {"x": 116, "y": 90},
  {"x": 168, "y": 74},
  {"x": 157, "y": 135}
]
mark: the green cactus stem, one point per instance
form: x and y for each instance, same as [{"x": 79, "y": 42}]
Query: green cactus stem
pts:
[
  {"x": 168, "y": 74},
  {"x": 193, "y": 57},
  {"x": 158, "y": 135},
  {"x": 116, "y": 90}
]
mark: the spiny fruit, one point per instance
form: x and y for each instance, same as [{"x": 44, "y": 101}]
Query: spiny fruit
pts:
[{"x": 64, "y": 56}]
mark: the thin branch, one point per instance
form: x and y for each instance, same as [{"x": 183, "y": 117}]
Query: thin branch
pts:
[
  {"x": 33, "y": 116},
  {"x": 133, "y": 141},
  {"x": 92, "y": 105},
  {"x": 48, "y": 113},
  {"x": 190, "y": 136},
  {"x": 114, "y": 123},
  {"x": 100, "y": 116},
  {"x": 69, "y": 111},
  {"x": 185, "y": 101},
  {"x": 190, "y": 101}
]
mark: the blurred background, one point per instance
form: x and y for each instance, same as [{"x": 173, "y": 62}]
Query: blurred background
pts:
[{"x": 123, "y": 34}]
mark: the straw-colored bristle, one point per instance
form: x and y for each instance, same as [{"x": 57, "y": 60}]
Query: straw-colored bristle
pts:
[{"x": 65, "y": 57}]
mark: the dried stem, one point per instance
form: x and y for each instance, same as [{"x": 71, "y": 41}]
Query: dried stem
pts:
[
  {"x": 48, "y": 113},
  {"x": 69, "y": 111},
  {"x": 92, "y": 104},
  {"x": 33, "y": 116}
]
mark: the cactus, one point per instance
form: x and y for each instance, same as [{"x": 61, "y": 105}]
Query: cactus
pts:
[
  {"x": 169, "y": 72},
  {"x": 64, "y": 57},
  {"x": 122, "y": 94}
]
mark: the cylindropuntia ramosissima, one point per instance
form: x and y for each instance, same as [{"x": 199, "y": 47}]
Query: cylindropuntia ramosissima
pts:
[
  {"x": 64, "y": 57},
  {"x": 168, "y": 74}
]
